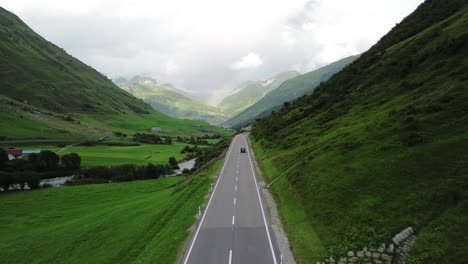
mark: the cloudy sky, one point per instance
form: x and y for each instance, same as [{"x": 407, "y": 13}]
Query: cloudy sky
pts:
[{"x": 208, "y": 46}]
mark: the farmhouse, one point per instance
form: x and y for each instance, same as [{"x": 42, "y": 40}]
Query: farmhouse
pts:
[
  {"x": 156, "y": 129},
  {"x": 14, "y": 153}
]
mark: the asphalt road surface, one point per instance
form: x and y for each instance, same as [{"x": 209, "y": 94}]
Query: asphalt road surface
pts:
[{"x": 234, "y": 228}]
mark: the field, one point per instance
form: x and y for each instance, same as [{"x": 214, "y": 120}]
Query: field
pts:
[
  {"x": 138, "y": 222},
  {"x": 118, "y": 155}
]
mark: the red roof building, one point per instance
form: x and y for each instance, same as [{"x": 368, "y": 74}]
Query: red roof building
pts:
[{"x": 14, "y": 153}]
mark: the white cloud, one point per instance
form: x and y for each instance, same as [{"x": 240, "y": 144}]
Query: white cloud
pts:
[
  {"x": 193, "y": 44},
  {"x": 249, "y": 61}
]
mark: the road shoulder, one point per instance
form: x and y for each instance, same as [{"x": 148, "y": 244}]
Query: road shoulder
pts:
[{"x": 273, "y": 215}]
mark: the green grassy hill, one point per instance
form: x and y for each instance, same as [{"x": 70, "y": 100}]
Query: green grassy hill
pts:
[
  {"x": 173, "y": 102},
  {"x": 46, "y": 93},
  {"x": 380, "y": 146},
  {"x": 287, "y": 92},
  {"x": 248, "y": 93},
  {"x": 133, "y": 222}
]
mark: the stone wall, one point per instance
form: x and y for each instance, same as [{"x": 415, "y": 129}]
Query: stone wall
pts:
[{"x": 392, "y": 253}]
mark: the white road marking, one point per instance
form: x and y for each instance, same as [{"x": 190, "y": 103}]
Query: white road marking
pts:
[
  {"x": 233, "y": 219},
  {"x": 237, "y": 171},
  {"x": 208, "y": 206},
  {"x": 230, "y": 256},
  {"x": 235, "y": 188},
  {"x": 237, "y": 178},
  {"x": 261, "y": 205},
  {"x": 235, "y": 199}
]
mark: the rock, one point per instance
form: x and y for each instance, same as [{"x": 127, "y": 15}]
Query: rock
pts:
[
  {"x": 391, "y": 249},
  {"x": 381, "y": 249},
  {"x": 368, "y": 254},
  {"x": 343, "y": 259},
  {"x": 350, "y": 254},
  {"x": 377, "y": 261},
  {"x": 375, "y": 255},
  {"x": 360, "y": 254},
  {"x": 386, "y": 257}
]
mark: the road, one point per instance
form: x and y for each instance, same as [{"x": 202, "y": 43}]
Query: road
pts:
[{"x": 234, "y": 229}]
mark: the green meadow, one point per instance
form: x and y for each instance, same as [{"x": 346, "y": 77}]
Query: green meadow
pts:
[
  {"x": 139, "y": 222},
  {"x": 117, "y": 155}
]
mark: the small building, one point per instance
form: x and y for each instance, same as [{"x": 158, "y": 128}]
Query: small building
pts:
[
  {"x": 14, "y": 153},
  {"x": 156, "y": 129}
]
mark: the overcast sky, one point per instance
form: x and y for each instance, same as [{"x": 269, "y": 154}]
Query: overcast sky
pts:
[{"x": 208, "y": 46}]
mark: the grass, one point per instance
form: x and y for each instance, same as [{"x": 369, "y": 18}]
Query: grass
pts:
[
  {"x": 305, "y": 241},
  {"x": 134, "y": 222},
  {"x": 380, "y": 146},
  {"x": 118, "y": 155}
]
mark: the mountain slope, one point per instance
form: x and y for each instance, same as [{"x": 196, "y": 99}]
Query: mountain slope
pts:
[
  {"x": 380, "y": 146},
  {"x": 46, "y": 93},
  {"x": 173, "y": 102},
  {"x": 288, "y": 91},
  {"x": 248, "y": 93}
]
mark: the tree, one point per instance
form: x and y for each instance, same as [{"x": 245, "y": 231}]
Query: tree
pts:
[
  {"x": 173, "y": 163},
  {"x": 71, "y": 161},
  {"x": 3, "y": 157},
  {"x": 48, "y": 160},
  {"x": 32, "y": 179},
  {"x": 192, "y": 141},
  {"x": 6, "y": 180},
  {"x": 151, "y": 171},
  {"x": 168, "y": 140}
]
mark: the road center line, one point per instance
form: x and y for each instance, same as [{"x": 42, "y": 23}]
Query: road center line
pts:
[
  {"x": 237, "y": 178},
  {"x": 233, "y": 219},
  {"x": 235, "y": 188},
  {"x": 235, "y": 199},
  {"x": 230, "y": 256},
  {"x": 237, "y": 171},
  {"x": 208, "y": 205}
]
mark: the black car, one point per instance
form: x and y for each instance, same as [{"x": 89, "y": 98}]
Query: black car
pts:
[{"x": 242, "y": 150}]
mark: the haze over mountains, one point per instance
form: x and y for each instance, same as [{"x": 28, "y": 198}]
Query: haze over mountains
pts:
[
  {"x": 286, "y": 92},
  {"x": 177, "y": 103},
  {"x": 170, "y": 101},
  {"x": 249, "y": 92}
]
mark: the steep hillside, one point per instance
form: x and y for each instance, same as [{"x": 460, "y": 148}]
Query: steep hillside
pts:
[
  {"x": 46, "y": 93},
  {"x": 173, "y": 102},
  {"x": 287, "y": 92},
  {"x": 248, "y": 93},
  {"x": 380, "y": 146}
]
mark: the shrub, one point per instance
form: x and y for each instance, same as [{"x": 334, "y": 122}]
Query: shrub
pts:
[
  {"x": 3, "y": 157},
  {"x": 32, "y": 179},
  {"x": 48, "y": 160},
  {"x": 173, "y": 163},
  {"x": 71, "y": 161}
]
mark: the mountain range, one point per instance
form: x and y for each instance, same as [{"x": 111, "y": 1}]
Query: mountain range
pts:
[
  {"x": 171, "y": 101},
  {"x": 288, "y": 91},
  {"x": 177, "y": 103},
  {"x": 249, "y": 92}
]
